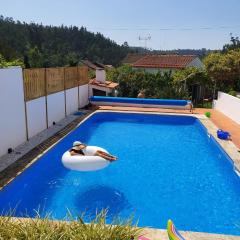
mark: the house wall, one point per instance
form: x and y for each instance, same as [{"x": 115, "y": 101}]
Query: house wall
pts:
[
  {"x": 156, "y": 70},
  {"x": 228, "y": 105},
  {"x": 12, "y": 110}
]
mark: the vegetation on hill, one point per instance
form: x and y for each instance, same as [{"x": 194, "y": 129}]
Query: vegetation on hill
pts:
[
  {"x": 201, "y": 53},
  {"x": 46, "y": 46},
  {"x": 49, "y": 46}
]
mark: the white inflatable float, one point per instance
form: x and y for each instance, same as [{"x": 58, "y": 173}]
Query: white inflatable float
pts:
[{"x": 85, "y": 163}]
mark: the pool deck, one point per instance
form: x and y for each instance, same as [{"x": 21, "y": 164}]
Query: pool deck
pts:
[{"x": 157, "y": 234}]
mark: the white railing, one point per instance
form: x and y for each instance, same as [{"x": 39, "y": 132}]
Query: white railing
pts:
[{"x": 228, "y": 105}]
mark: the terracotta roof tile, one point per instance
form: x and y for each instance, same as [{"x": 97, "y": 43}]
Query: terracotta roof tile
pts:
[
  {"x": 107, "y": 84},
  {"x": 164, "y": 61},
  {"x": 131, "y": 58}
]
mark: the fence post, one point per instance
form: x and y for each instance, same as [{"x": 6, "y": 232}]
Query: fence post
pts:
[
  {"x": 46, "y": 94},
  {"x": 25, "y": 105},
  {"x": 78, "y": 87},
  {"x": 65, "y": 96}
]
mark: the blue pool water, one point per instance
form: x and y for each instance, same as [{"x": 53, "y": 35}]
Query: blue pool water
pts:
[{"x": 168, "y": 167}]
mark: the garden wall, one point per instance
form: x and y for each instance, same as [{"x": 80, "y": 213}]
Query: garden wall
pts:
[
  {"x": 228, "y": 105},
  {"x": 32, "y": 99},
  {"x": 12, "y": 111}
]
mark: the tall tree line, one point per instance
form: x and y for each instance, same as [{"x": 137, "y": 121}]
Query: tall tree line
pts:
[{"x": 45, "y": 46}]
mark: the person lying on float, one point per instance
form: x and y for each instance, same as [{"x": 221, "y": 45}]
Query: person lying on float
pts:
[{"x": 79, "y": 147}]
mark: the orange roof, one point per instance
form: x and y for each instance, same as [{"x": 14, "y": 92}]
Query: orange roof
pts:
[
  {"x": 131, "y": 58},
  {"x": 164, "y": 61},
  {"x": 107, "y": 84}
]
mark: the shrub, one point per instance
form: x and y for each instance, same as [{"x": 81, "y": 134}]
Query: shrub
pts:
[
  {"x": 208, "y": 114},
  {"x": 233, "y": 93},
  {"x": 38, "y": 228}
]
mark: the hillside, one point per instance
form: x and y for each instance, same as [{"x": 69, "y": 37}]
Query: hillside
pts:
[
  {"x": 39, "y": 45},
  {"x": 49, "y": 46}
]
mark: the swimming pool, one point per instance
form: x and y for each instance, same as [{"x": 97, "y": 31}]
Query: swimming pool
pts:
[{"x": 168, "y": 167}]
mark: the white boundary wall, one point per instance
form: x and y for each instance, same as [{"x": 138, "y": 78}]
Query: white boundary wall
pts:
[
  {"x": 36, "y": 116},
  {"x": 12, "y": 110},
  {"x": 13, "y": 126},
  {"x": 228, "y": 105},
  {"x": 83, "y": 95},
  {"x": 55, "y": 107},
  {"x": 72, "y": 100}
]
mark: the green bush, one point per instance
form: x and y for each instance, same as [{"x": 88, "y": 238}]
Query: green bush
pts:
[
  {"x": 155, "y": 85},
  {"x": 38, "y": 228},
  {"x": 208, "y": 114},
  {"x": 5, "y": 64},
  {"x": 233, "y": 93}
]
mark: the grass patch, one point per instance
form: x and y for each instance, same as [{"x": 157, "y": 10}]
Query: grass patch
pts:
[{"x": 45, "y": 228}]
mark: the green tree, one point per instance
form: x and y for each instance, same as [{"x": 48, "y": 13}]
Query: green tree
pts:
[
  {"x": 35, "y": 57},
  {"x": 234, "y": 44},
  {"x": 4, "y": 63},
  {"x": 224, "y": 69},
  {"x": 131, "y": 82},
  {"x": 56, "y": 46}
]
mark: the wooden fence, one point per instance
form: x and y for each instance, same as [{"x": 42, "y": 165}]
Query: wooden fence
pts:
[{"x": 39, "y": 82}]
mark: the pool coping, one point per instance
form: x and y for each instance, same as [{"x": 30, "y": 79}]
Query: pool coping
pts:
[
  {"x": 229, "y": 148},
  {"x": 157, "y": 234}
]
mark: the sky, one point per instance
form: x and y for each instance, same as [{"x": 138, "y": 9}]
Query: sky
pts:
[{"x": 171, "y": 24}]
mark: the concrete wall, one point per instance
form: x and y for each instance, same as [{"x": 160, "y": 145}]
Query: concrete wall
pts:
[
  {"x": 15, "y": 122},
  {"x": 12, "y": 110},
  {"x": 36, "y": 116},
  {"x": 55, "y": 107},
  {"x": 72, "y": 100},
  {"x": 83, "y": 96},
  {"x": 228, "y": 105}
]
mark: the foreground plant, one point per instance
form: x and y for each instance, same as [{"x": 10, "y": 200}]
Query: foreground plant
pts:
[{"x": 45, "y": 228}]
